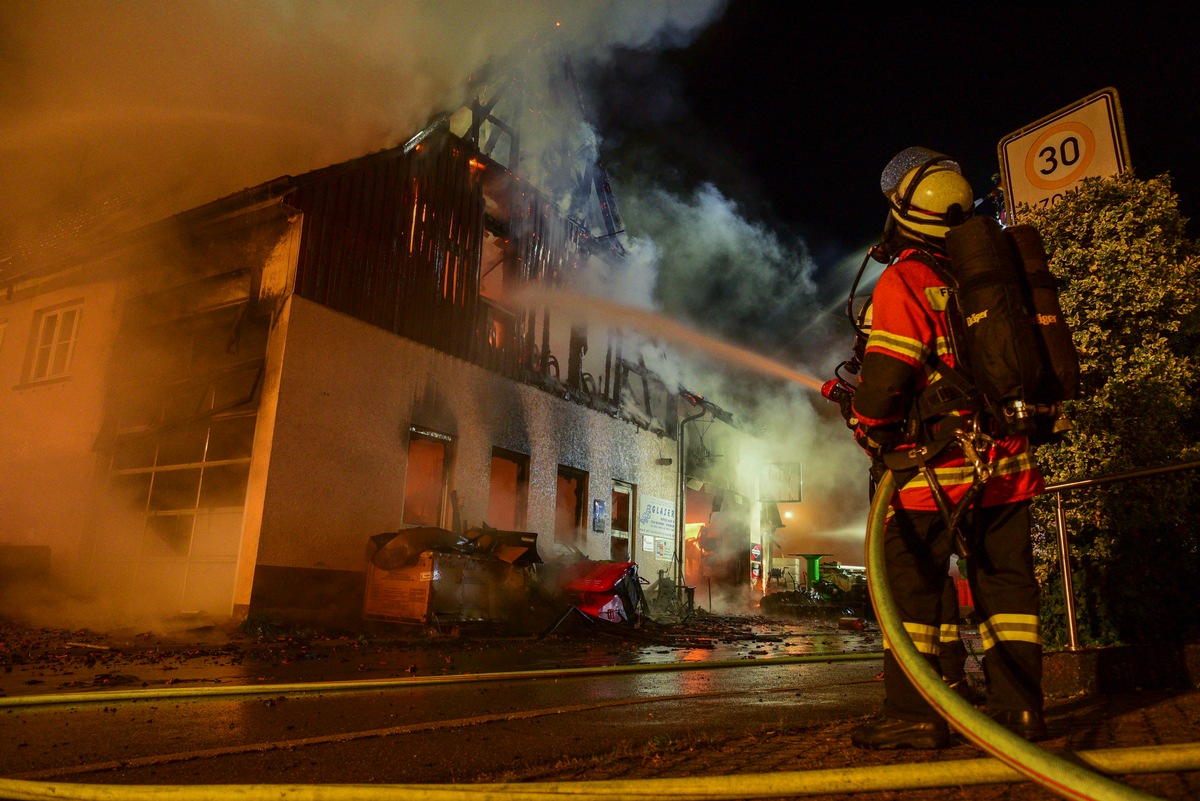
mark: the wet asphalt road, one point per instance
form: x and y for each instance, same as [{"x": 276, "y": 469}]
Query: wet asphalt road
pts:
[{"x": 443, "y": 733}]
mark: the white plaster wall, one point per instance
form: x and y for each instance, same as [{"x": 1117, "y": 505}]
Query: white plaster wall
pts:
[
  {"x": 49, "y": 429},
  {"x": 347, "y": 393}
]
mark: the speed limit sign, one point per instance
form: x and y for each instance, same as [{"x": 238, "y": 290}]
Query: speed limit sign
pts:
[{"x": 1042, "y": 162}]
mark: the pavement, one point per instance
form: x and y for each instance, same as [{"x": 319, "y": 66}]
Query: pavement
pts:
[
  {"x": 1146, "y": 718},
  {"x": 1099, "y": 699}
]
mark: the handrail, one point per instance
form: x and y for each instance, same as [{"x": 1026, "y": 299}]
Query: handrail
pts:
[
  {"x": 1126, "y": 476},
  {"x": 1060, "y": 521}
]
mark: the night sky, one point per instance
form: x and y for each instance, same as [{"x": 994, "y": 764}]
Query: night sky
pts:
[{"x": 793, "y": 109}]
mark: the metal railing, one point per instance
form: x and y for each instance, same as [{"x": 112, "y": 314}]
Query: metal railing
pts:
[{"x": 1060, "y": 519}]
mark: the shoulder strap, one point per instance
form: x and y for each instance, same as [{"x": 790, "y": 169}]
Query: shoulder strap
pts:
[
  {"x": 934, "y": 263},
  {"x": 956, "y": 389},
  {"x": 953, "y": 392}
]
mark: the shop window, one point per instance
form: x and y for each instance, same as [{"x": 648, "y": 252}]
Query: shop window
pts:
[
  {"x": 53, "y": 342},
  {"x": 570, "y": 511},
  {"x": 623, "y": 504},
  {"x": 508, "y": 490},
  {"x": 427, "y": 478}
]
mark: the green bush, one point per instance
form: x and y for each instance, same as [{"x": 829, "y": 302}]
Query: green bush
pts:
[{"x": 1130, "y": 293}]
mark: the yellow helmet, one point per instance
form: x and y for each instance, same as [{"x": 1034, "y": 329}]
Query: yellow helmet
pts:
[{"x": 927, "y": 192}]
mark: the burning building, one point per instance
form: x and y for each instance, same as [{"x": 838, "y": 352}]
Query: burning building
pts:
[{"x": 214, "y": 413}]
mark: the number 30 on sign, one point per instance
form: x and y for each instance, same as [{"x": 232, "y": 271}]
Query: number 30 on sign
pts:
[{"x": 1042, "y": 162}]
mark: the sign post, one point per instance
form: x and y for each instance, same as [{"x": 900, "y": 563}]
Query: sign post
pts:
[{"x": 1042, "y": 162}]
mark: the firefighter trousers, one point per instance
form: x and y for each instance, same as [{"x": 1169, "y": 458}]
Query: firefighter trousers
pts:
[
  {"x": 952, "y": 658},
  {"x": 917, "y": 550}
]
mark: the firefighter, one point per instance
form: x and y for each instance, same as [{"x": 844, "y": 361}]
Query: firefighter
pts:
[{"x": 927, "y": 195}]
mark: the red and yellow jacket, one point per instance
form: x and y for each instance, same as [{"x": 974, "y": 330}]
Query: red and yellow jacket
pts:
[{"x": 908, "y": 324}]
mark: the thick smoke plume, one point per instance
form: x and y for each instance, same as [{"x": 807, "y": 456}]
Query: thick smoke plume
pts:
[
  {"x": 169, "y": 105},
  {"x": 712, "y": 258}
]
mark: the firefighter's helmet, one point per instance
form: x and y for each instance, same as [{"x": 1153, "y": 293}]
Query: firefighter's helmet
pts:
[{"x": 927, "y": 192}]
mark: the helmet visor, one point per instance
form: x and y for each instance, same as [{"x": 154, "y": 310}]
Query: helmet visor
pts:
[{"x": 909, "y": 159}]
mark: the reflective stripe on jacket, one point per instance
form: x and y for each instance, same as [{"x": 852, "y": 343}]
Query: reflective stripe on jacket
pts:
[{"x": 908, "y": 324}]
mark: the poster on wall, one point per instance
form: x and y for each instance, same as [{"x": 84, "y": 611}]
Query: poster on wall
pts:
[
  {"x": 656, "y": 523},
  {"x": 599, "y": 515}
]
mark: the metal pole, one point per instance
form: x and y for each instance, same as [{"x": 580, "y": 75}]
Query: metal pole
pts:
[
  {"x": 680, "y": 512},
  {"x": 1064, "y": 560}
]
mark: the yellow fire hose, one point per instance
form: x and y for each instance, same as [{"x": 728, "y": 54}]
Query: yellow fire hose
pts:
[
  {"x": 367, "y": 685},
  {"x": 1014, "y": 760},
  {"x": 828, "y": 781}
]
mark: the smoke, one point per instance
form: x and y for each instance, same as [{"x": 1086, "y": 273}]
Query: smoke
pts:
[
  {"x": 757, "y": 338},
  {"x": 714, "y": 259},
  {"x": 174, "y": 104}
]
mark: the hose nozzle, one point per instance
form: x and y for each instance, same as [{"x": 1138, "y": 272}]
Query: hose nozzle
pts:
[{"x": 837, "y": 390}]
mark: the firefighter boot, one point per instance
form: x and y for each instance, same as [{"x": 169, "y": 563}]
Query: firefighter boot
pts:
[
  {"x": 1026, "y": 723},
  {"x": 886, "y": 733}
]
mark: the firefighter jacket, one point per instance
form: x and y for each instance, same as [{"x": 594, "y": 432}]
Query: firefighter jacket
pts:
[{"x": 909, "y": 323}]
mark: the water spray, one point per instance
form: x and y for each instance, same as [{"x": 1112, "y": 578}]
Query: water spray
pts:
[{"x": 657, "y": 325}]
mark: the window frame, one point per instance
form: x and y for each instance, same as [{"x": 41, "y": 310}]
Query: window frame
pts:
[
  {"x": 625, "y": 535},
  {"x": 32, "y": 374},
  {"x": 630, "y": 490}
]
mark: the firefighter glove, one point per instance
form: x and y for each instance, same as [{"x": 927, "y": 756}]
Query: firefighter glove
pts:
[{"x": 875, "y": 439}]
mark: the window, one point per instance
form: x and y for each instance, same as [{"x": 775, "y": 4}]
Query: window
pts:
[
  {"x": 508, "y": 490},
  {"x": 570, "y": 512},
  {"x": 623, "y": 504},
  {"x": 53, "y": 342},
  {"x": 184, "y": 417},
  {"x": 427, "y": 478},
  {"x": 188, "y": 483}
]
